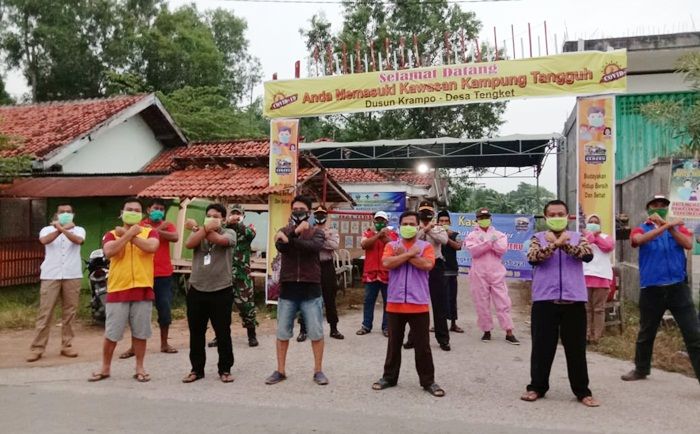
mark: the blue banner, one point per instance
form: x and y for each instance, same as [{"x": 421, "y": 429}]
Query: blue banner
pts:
[
  {"x": 391, "y": 202},
  {"x": 518, "y": 228}
]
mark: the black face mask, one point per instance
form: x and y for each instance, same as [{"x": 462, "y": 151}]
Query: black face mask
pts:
[
  {"x": 321, "y": 220},
  {"x": 425, "y": 216},
  {"x": 299, "y": 216}
]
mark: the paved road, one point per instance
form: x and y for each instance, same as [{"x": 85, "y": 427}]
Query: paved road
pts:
[{"x": 483, "y": 383}]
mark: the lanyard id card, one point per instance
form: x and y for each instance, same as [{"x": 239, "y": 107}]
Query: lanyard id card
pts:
[{"x": 207, "y": 259}]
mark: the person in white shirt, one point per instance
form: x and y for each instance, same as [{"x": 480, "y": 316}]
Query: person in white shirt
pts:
[{"x": 61, "y": 274}]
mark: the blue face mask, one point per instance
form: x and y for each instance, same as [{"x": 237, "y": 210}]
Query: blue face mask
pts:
[
  {"x": 593, "y": 227},
  {"x": 156, "y": 215},
  {"x": 65, "y": 218}
]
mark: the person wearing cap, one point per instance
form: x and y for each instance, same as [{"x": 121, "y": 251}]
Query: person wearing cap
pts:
[
  {"x": 243, "y": 288},
  {"x": 487, "y": 277},
  {"x": 662, "y": 243},
  {"x": 375, "y": 275},
  {"x": 329, "y": 284},
  {"x": 439, "y": 295},
  {"x": 558, "y": 311},
  {"x": 599, "y": 275},
  {"x": 449, "y": 252}
]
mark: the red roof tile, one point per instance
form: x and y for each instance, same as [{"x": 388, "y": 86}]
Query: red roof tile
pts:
[
  {"x": 236, "y": 183},
  {"x": 78, "y": 186},
  {"x": 202, "y": 150},
  {"x": 42, "y": 128}
]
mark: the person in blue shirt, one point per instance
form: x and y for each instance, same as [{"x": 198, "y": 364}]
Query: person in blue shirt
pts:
[{"x": 663, "y": 285}]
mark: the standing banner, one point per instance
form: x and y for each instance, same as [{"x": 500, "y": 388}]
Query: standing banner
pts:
[
  {"x": 596, "y": 161},
  {"x": 684, "y": 195},
  {"x": 284, "y": 152},
  {"x": 284, "y": 149},
  {"x": 518, "y": 228},
  {"x": 579, "y": 73}
]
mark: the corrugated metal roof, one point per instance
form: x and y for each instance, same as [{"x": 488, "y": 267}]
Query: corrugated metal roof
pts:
[{"x": 79, "y": 186}]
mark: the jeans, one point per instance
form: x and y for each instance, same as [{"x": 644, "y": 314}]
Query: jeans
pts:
[
  {"x": 550, "y": 321},
  {"x": 163, "y": 289},
  {"x": 372, "y": 290},
  {"x": 203, "y": 307},
  {"x": 311, "y": 310},
  {"x": 653, "y": 302}
]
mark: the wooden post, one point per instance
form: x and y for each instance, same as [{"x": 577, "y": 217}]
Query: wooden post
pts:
[
  {"x": 529, "y": 37},
  {"x": 297, "y": 69}
]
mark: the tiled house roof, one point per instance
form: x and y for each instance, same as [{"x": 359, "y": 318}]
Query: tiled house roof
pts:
[
  {"x": 39, "y": 129},
  {"x": 202, "y": 151},
  {"x": 359, "y": 176}
]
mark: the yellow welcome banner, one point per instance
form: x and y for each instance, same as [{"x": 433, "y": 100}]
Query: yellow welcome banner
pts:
[{"x": 581, "y": 73}]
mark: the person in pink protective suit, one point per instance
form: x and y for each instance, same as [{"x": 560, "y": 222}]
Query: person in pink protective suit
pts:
[
  {"x": 599, "y": 275},
  {"x": 487, "y": 276}
]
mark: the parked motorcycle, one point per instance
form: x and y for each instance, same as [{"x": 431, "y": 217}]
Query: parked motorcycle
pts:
[{"x": 98, "y": 270}]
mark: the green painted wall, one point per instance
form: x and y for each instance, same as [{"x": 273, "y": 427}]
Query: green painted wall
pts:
[{"x": 640, "y": 141}]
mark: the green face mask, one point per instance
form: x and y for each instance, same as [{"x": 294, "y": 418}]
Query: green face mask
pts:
[
  {"x": 379, "y": 226},
  {"x": 557, "y": 224},
  {"x": 662, "y": 212},
  {"x": 208, "y": 220},
  {"x": 408, "y": 232},
  {"x": 446, "y": 227},
  {"x": 131, "y": 217},
  {"x": 484, "y": 223}
]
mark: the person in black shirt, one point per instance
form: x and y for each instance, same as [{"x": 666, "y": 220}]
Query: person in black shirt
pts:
[{"x": 449, "y": 252}]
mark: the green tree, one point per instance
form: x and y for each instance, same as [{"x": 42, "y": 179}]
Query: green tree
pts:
[
  {"x": 527, "y": 199},
  {"x": 5, "y": 98},
  {"x": 205, "y": 113},
  {"x": 365, "y": 21},
  {"x": 682, "y": 116}
]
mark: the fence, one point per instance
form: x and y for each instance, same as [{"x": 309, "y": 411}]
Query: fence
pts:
[{"x": 20, "y": 259}]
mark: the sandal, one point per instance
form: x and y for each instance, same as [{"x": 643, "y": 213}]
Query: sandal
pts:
[
  {"x": 530, "y": 396},
  {"x": 168, "y": 350},
  {"x": 363, "y": 331},
  {"x": 97, "y": 376},
  {"x": 192, "y": 377},
  {"x": 226, "y": 377},
  {"x": 589, "y": 401},
  {"x": 127, "y": 354},
  {"x": 435, "y": 390},
  {"x": 457, "y": 329},
  {"x": 142, "y": 377},
  {"x": 382, "y": 384}
]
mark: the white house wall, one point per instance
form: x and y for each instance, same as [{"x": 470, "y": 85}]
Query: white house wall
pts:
[{"x": 125, "y": 148}]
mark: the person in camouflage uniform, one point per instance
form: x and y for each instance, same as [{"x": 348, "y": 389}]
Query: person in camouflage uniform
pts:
[{"x": 243, "y": 295}]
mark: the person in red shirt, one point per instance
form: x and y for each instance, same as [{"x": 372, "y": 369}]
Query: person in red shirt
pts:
[
  {"x": 162, "y": 271},
  {"x": 375, "y": 275}
]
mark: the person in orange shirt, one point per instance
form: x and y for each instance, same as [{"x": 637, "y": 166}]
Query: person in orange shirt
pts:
[{"x": 409, "y": 262}]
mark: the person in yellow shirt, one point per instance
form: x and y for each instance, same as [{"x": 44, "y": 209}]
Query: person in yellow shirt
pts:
[{"x": 130, "y": 249}]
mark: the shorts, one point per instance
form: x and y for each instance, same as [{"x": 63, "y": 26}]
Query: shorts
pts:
[
  {"x": 135, "y": 313},
  {"x": 312, "y": 312}
]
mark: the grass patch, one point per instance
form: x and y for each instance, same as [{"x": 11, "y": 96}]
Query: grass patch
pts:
[
  {"x": 19, "y": 306},
  {"x": 669, "y": 348}
]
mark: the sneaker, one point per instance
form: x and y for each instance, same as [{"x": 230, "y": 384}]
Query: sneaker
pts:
[
  {"x": 486, "y": 338},
  {"x": 320, "y": 379},
  {"x": 633, "y": 375},
  {"x": 301, "y": 337},
  {"x": 512, "y": 340},
  {"x": 275, "y": 378},
  {"x": 445, "y": 347}
]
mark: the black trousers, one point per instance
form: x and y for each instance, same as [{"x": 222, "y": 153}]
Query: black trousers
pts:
[
  {"x": 550, "y": 321},
  {"x": 203, "y": 307},
  {"x": 653, "y": 302},
  {"x": 451, "y": 282},
  {"x": 439, "y": 298},
  {"x": 420, "y": 324},
  {"x": 329, "y": 289}
]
